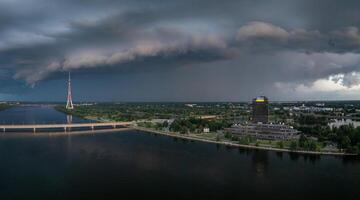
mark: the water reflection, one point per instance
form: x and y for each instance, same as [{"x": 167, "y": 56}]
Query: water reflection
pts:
[
  {"x": 350, "y": 160},
  {"x": 246, "y": 151},
  {"x": 294, "y": 156},
  {"x": 312, "y": 158},
  {"x": 260, "y": 162},
  {"x": 68, "y": 143},
  {"x": 241, "y": 150},
  {"x": 218, "y": 146},
  {"x": 142, "y": 163},
  {"x": 69, "y": 119}
]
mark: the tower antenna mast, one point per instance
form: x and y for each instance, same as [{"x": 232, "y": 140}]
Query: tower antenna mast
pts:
[{"x": 69, "y": 103}]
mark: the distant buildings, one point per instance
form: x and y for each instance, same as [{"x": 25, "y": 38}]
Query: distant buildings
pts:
[
  {"x": 208, "y": 117},
  {"x": 304, "y": 108},
  {"x": 260, "y": 110}
]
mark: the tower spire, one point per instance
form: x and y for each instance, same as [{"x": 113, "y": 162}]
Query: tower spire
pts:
[{"x": 69, "y": 103}]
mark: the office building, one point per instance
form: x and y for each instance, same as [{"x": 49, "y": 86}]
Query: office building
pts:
[
  {"x": 260, "y": 110},
  {"x": 264, "y": 131}
]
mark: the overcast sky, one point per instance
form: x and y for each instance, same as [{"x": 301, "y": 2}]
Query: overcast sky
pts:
[{"x": 180, "y": 50}]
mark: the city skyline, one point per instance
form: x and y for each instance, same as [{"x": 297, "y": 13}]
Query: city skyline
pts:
[{"x": 179, "y": 50}]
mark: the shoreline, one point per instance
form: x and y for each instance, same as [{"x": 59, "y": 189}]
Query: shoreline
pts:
[
  {"x": 242, "y": 145},
  {"x": 230, "y": 143},
  {"x": 174, "y": 135}
]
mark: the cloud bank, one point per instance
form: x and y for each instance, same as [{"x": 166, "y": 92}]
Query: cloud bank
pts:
[{"x": 298, "y": 48}]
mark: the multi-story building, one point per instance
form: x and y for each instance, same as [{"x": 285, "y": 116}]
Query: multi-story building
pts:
[
  {"x": 260, "y": 110},
  {"x": 260, "y": 128},
  {"x": 264, "y": 131}
]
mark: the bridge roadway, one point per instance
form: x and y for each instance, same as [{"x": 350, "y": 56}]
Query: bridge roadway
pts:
[{"x": 66, "y": 127}]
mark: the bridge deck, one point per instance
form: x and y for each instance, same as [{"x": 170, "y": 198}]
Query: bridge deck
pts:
[{"x": 64, "y": 126}]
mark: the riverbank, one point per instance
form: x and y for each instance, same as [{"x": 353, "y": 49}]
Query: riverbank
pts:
[
  {"x": 211, "y": 140},
  {"x": 240, "y": 145}
]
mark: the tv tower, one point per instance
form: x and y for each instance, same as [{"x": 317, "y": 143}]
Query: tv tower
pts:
[{"x": 69, "y": 103}]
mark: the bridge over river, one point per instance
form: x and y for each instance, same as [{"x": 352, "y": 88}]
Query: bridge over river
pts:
[{"x": 65, "y": 127}]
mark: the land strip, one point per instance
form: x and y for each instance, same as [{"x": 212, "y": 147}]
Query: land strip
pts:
[{"x": 176, "y": 135}]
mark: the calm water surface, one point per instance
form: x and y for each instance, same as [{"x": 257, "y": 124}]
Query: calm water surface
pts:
[
  {"x": 131, "y": 164},
  {"x": 36, "y": 115}
]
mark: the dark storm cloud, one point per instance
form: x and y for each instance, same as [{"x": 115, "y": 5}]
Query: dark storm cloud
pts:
[{"x": 292, "y": 40}]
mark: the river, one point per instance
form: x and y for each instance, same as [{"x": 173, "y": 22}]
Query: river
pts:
[{"x": 130, "y": 164}]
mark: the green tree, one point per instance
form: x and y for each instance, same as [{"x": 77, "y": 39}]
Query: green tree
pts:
[
  {"x": 302, "y": 140},
  {"x": 312, "y": 145},
  {"x": 165, "y": 124},
  {"x": 227, "y": 135},
  {"x": 280, "y": 144},
  {"x": 293, "y": 145},
  {"x": 345, "y": 142},
  {"x": 217, "y": 137}
]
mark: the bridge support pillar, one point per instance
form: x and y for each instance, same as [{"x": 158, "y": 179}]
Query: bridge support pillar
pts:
[
  {"x": 114, "y": 126},
  {"x": 92, "y": 127},
  {"x": 4, "y": 129},
  {"x": 34, "y": 129},
  {"x": 65, "y": 128}
]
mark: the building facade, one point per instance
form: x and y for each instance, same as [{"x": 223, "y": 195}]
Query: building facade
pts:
[
  {"x": 260, "y": 128},
  {"x": 265, "y": 131},
  {"x": 260, "y": 110}
]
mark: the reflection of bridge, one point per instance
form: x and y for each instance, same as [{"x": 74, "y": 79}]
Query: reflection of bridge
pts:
[{"x": 65, "y": 127}]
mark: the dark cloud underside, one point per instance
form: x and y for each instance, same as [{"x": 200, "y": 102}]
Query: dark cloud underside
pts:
[{"x": 181, "y": 49}]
